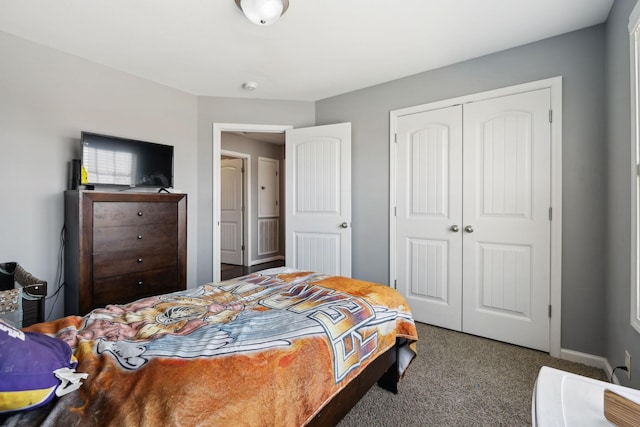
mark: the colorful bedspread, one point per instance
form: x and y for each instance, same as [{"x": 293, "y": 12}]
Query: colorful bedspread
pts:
[{"x": 264, "y": 349}]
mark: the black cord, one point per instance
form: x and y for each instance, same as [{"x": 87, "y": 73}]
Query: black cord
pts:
[
  {"x": 622, "y": 368},
  {"x": 61, "y": 284}
]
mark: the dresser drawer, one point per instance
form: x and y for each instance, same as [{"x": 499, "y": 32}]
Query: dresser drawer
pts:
[
  {"x": 129, "y": 287},
  {"x": 109, "y": 264},
  {"x": 135, "y": 237},
  {"x": 110, "y": 214}
]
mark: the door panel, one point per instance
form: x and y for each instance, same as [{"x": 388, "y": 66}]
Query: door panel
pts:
[
  {"x": 429, "y": 203},
  {"x": 507, "y": 195},
  {"x": 318, "y": 251},
  {"x": 231, "y": 196},
  {"x": 318, "y": 226}
]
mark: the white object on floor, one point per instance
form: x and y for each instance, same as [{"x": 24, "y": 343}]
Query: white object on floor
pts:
[{"x": 564, "y": 399}]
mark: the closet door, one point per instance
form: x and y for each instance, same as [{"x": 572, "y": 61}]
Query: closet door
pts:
[
  {"x": 473, "y": 235},
  {"x": 507, "y": 231},
  {"x": 429, "y": 215}
]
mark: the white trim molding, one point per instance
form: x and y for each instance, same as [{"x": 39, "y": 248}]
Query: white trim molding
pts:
[
  {"x": 634, "y": 77},
  {"x": 590, "y": 360},
  {"x": 265, "y": 260},
  {"x": 218, "y": 128},
  {"x": 586, "y": 359}
]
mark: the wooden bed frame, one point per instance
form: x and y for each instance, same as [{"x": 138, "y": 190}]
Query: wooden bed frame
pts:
[{"x": 383, "y": 370}]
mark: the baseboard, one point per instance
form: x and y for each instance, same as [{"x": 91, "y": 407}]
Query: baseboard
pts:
[
  {"x": 609, "y": 371},
  {"x": 590, "y": 360},
  {"x": 585, "y": 359},
  {"x": 263, "y": 260}
]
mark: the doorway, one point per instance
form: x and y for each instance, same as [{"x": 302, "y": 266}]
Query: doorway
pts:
[
  {"x": 305, "y": 240},
  {"x": 249, "y": 143},
  {"x": 237, "y": 215}
]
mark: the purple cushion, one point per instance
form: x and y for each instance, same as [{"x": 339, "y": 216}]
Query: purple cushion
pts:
[{"x": 27, "y": 362}]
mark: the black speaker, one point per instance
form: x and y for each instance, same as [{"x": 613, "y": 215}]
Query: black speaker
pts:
[{"x": 74, "y": 175}]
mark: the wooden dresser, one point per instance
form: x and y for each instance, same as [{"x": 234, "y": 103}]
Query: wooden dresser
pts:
[{"x": 122, "y": 246}]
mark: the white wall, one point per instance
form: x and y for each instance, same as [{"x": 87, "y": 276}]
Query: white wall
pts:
[{"x": 46, "y": 99}]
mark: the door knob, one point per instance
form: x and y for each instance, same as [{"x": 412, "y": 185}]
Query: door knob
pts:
[
  {"x": 455, "y": 228},
  {"x": 344, "y": 225},
  {"x": 468, "y": 229}
]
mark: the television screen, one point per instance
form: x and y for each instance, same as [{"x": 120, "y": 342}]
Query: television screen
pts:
[{"x": 109, "y": 160}]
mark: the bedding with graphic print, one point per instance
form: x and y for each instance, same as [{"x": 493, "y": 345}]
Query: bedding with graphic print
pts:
[{"x": 263, "y": 349}]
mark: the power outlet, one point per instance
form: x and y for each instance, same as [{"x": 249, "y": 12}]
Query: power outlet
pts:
[{"x": 627, "y": 363}]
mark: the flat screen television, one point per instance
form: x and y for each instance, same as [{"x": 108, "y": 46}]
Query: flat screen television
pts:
[{"x": 110, "y": 160}]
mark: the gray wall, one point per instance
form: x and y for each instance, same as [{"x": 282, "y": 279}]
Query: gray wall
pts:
[
  {"x": 620, "y": 335},
  {"x": 579, "y": 58},
  {"x": 233, "y": 110},
  {"x": 241, "y": 144},
  {"x": 46, "y": 99}
]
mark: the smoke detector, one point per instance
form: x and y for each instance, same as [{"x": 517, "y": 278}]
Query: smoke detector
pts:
[{"x": 250, "y": 86}]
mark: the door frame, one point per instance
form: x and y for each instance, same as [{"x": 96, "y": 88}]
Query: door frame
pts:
[
  {"x": 555, "y": 86},
  {"x": 218, "y": 128},
  {"x": 246, "y": 200}
]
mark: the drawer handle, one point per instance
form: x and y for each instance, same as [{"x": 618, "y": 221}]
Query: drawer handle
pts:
[
  {"x": 139, "y": 237},
  {"x": 140, "y": 283},
  {"x": 139, "y": 259},
  {"x": 139, "y": 213}
]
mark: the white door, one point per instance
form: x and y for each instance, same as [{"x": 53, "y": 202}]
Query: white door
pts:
[
  {"x": 507, "y": 231},
  {"x": 429, "y": 215},
  {"x": 318, "y": 199},
  {"x": 473, "y": 234},
  {"x": 231, "y": 197}
]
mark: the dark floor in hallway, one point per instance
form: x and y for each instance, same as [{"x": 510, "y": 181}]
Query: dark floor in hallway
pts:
[{"x": 229, "y": 271}]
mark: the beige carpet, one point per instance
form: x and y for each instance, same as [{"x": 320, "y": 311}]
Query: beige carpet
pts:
[{"x": 461, "y": 380}]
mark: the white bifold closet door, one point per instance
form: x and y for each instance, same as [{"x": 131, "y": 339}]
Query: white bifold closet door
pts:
[
  {"x": 473, "y": 229},
  {"x": 429, "y": 208}
]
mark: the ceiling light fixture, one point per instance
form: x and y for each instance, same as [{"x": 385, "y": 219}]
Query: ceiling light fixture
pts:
[{"x": 263, "y": 12}]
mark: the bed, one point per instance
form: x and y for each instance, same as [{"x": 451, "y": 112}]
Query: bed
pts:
[{"x": 273, "y": 348}]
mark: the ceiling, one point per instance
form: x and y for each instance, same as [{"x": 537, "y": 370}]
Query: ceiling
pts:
[{"x": 318, "y": 49}]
